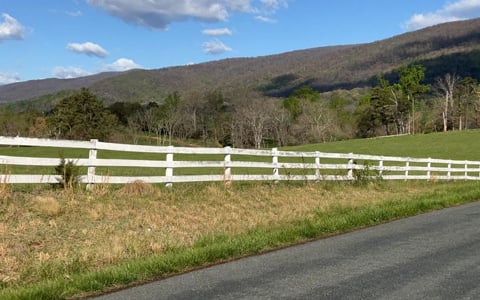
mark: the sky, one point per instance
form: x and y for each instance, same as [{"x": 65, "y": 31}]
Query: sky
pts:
[{"x": 72, "y": 38}]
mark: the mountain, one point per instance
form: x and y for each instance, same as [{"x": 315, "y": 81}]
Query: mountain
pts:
[
  {"x": 37, "y": 88},
  {"x": 449, "y": 47}
]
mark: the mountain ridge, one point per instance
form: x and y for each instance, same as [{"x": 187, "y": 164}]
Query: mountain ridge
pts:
[{"x": 323, "y": 68}]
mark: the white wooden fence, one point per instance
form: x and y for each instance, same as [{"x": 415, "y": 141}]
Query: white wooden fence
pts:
[{"x": 276, "y": 165}]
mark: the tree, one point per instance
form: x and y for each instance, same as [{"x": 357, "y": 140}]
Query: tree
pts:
[
  {"x": 280, "y": 119},
  {"x": 253, "y": 120},
  {"x": 468, "y": 97},
  {"x": 39, "y": 127},
  {"x": 123, "y": 110},
  {"x": 366, "y": 118},
  {"x": 135, "y": 125},
  {"x": 386, "y": 106},
  {"x": 410, "y": 81},
  {"x": 168, "y": 114},
  {"x": 211, "y": 117},
  {"x": 81, "y": 116},
  {"x": 447, "y": 85},
  {"x": 15, "y": 123},
  {"x": 295, "y": 102}
]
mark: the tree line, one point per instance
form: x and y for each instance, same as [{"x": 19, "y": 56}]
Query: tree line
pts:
[{"x": 405, "y": 106}]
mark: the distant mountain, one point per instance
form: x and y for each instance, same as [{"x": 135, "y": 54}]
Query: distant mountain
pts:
[
  {"x": 36, "y": 88},
  {"x": 450, "y": 47}
]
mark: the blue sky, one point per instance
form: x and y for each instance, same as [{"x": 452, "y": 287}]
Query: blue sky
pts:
[{"x": 72, "y": 38}]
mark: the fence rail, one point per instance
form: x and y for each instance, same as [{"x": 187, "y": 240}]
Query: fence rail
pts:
[{"x": 271, "y": 165}]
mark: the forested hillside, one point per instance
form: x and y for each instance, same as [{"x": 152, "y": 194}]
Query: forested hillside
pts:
[
  {"x": 442, "y": 47},
  {"x": 418, "y": 82}
]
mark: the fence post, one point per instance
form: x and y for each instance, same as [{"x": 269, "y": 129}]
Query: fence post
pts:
[
  {"x": 407, "y": 167},
  {"x": 276, "y": 174},
  {"x": 92, "y": 156},
  {"x": 449, "y": 172},
  {"x": 317, "y": 165},
  {"x": 350, "y": 167},
  {"x": 227, "y": 175},
  {"x": 380, "y": 167},
  {"x": 169, "y": 169},
  {"x": 429, "y": 168},
  {"x": 466, "y": 170}
]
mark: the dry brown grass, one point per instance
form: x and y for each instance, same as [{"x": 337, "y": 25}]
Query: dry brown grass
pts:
[
  {"x": 61, "y": 233},
  {"x": 47, "y": 206},
  {"x": 5, "y": 188}
]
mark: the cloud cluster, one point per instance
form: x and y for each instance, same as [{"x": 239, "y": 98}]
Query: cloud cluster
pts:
[
  {"x": 152, "y": 14},
  {"x": 217, "y": 32},
  {"x": 215, "y": 47},
  {"x": 158, "y": 14},
  {"x": 265, "y": 19},
  {"x": 452, "y": 11},
  {"x": 69, "y": 72},
  {"x": 120, "y": 65},
  {"x": 7, "y": 78},
  {"x": 10, "y": 28},
  {"x": 88, "y": 48},
  {"x": 91, "y": 49}
]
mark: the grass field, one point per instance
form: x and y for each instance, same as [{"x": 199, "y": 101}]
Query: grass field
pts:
[
  {"x": 461, "y": 145},
  {"x": 56, "y": 244}
]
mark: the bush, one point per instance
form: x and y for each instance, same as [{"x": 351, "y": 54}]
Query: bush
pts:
[
  {"x": 365, "y": 175},
  {"x": 68, "y": 172}
]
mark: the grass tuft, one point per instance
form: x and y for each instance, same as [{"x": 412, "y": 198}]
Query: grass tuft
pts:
[
  {"x": 137, "y": 189},
  {"x": 47, "y": 206}
]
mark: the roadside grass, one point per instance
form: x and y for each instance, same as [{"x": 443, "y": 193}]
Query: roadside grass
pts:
[{"x": 56, "y": 245}]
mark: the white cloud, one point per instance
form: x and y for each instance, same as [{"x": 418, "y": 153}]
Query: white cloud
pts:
[
  {"x": 217, "y": 32},
  {"x": 157, "y": 14},
  {"x": 7, "y": 78},
  {"x": 215, "y": 47},
  {"x": 265, "y": 19},
  {"x": 274, "y": 5},
  {"x": 122, "y": 64},
  {"x": 10, "y": 28},
  {"x": 452, "y": 11},
  {"x": 88, "y": 48},
  {"x": 69, "y": 72}
]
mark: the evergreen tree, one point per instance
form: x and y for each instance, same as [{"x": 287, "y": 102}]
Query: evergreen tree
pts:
[{"x": 81, "y": 116}]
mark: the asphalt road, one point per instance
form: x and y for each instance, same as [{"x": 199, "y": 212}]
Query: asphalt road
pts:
[{"x": 431, "y": 256}]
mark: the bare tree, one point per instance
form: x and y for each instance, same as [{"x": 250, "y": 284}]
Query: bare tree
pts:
[
  {"x": 447, "y": 85},
  {"x": 280, "y": 121},
  {"x": 253, "y": 118},
  {"x": 314, "y": 123},
  {"x": 134, "y": 126},
  {"x": 168, "y": 115}
]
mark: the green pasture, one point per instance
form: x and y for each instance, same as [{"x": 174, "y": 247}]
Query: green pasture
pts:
[{"x": 459, "y": 145}]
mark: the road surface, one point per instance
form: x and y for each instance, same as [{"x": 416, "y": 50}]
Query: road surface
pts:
[{"x": 431, "y": 256}]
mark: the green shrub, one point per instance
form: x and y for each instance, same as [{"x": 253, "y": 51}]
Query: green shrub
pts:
[
  {"x": 68, "y": 172},
  {"x": 365, "y": 175}
]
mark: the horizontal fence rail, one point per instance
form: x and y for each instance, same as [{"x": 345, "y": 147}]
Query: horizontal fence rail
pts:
[{"x": 181, "y": 164}]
